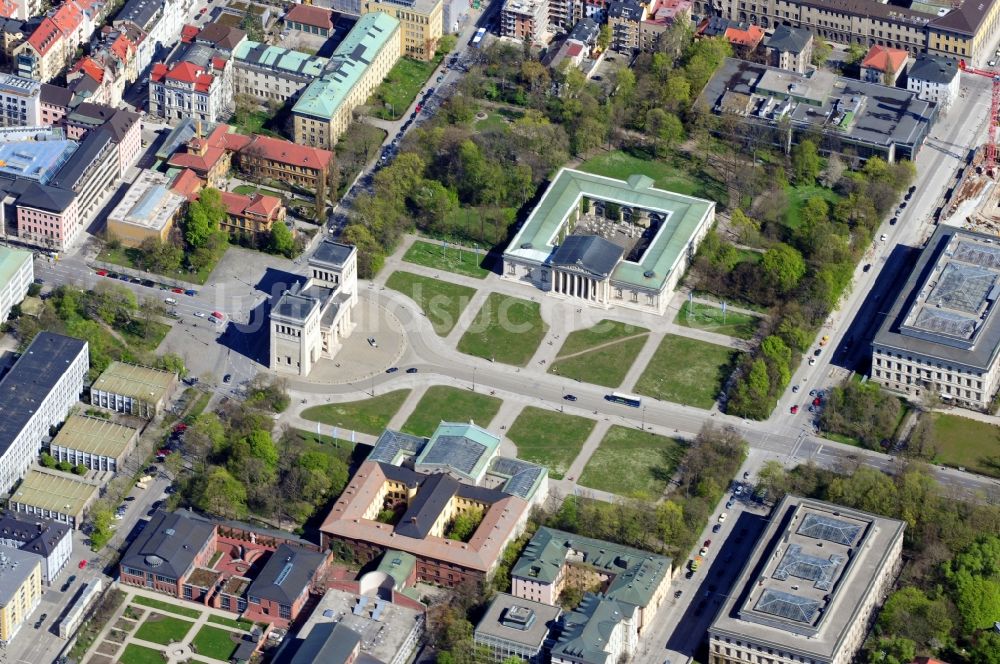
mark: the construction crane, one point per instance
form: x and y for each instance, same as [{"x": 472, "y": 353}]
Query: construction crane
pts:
[{"x": 991, "y": 145}]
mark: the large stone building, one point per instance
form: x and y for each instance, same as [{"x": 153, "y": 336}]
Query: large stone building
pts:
[
  {"x": 147, "y": 211},
  {"x": 310, "y": 320},
  {"x": 20, "y": 104},
  {"x": 964, "y": 29},
  {"x": 456, "y": 471},
  {"x": 810, "y": 589},
  {"x": 934, "y": 78},
  {"x": 942, "y": 334},
  {"x": 17, "y": 271},
  {"x": 608, "y": 243},
  {"x": 20, "y": 590},
  {"x": 274, "y": 74},
  {"x": 358, "y": 65},
  {"x": 422, "y": 24},
  {"x": 847, "y": 116},
  {"x": 35, "y": 395}
]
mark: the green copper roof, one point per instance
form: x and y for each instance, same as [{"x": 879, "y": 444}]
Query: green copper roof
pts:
[
  {"x": 11, "y": 261},
  {"x": 637, "y": 573},
  {"x": 544, "y": 229},
  {"x": 397, "y": 564},
  {"x": 464, "y": 449},
  {"x": 349, "y": 62},
  {"x": 280, "y": 59}
]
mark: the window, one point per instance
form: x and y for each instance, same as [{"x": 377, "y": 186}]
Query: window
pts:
[{"x": 285, "y": 611}]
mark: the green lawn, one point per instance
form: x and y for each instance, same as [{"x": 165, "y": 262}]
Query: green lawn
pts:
[
  {"x": 549, "y": 438},
  {"x": 454, "y": 258},
  {"x": 442, "y": 301},
  {"x": 506, "y": 329},
  {"x": 442, "y": 403},
  {"x": 129, "y": 258},
  {"x": 248, "y": 189},
  {"x": 139, "y": 335},
  {"x": 632, "y": 463},
  {"x": 159, "y": 628},
  {"x": 164, "y": 606},
  {"x": 367, "y": 416},
  {"x": 310, "y": 441},
  {"x": 485, "y": 224},
  {"x": 134, "y": 654},
  {"x": 215, "y": 643},
  {"x": 496, "y": 119},
  {"x": 797, "y": 196},
  {"x": 605, "y": 331},
  {"x": 687, "y": 371},
  {"x": 606, "y": 366},
  {"x": 677, "y": 178},
  {"x": 253, "y": 123},
  {"x": 710, "y": 317},
  {"x": 245, "y": 625},
  {"x": 972, "y": 444},
  {"x": 401, "y": 85}
]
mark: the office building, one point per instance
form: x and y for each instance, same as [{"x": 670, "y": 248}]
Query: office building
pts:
[
  {"x": 274, "y": 74},
  {"x": 20, "y": 105},
  {"x": 20, "y": 590},
  {"x": 147, "y": 211},
  {"x": 90, "y": 175},
  {"x": 93, "y": 442},
  {"x": 422, "y": 24},
  {"x": 282, "y": 586},
  {"x": 789, "y": 48},
  {"x": 325, "y": 108},
  {"x": 55, "y": 495},
  {"x": 264, "y": 158},
  {"x": 848, "y": 116},
  {"x": 166, "y": 553},
  {"x": 810, "y": 588},
  {"x": 456, "y": 471},
  {"x": 310, "y": 320},
  {"x": 52, "y": 541},
  {"x": 516, "y": 627},
  {"x": 36, "y": 394},
  {"x": 252, "y": 215},
  {"x": 133, "y": 390},
  {"x": 934, "y": 78},
  {"x": 608, "y": 243},
  {"x": 311, "y": 19},
  {"x": 17, "y": 271},
  {"x": 942, "y": 334}
]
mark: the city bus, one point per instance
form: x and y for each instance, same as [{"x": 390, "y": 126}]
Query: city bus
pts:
[
  {"x": 624, "y": 399},
  {"x": 477, "y": 38}
]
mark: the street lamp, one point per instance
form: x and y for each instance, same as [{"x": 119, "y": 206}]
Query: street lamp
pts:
[
  {"x": 643, "y": 427},
  {"x": 473, "y": 379}
]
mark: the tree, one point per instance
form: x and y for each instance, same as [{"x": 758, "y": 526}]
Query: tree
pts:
[
  {"x": 64, "y": 466},
  {"x": 986, "y": 650},
  {"x": 262, "y": 447},
  {"x": 746, "y": 227},
  {"x": 203, "y": 218},
  {"x": 172, "y": 362},
  {"x": 604, "y": 37},
  {"x": 806, "y": 163},
  {"x": 101, "y": 519},
  {"x": 48, "y": 460},
  {"x": 223, "y": 494},
  {"x": 821, "y": 52},
  {"x": 464, "y": 526},
  {"x": 911, "y": 614},
  {"x": 80, "y": 469},
  {"x": 281, "y": 241},
  {"x": 855, "y": 52},
  {"x": 664, "y": 128},
  {"x": 251, "y": 25},
  {"x": 783, "y": 267}
]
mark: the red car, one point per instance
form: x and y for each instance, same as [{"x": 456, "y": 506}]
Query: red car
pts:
[
  {"x": 707, "y": 543},
  {"x": 795, "y": 409},
  {"x": 83, "y": 563},
  {"x": 179, "y": 291},
  {"x": 419, "y": 108},
  {"x": 216, "y": 314},
  {"x": 102, "y": 273}
]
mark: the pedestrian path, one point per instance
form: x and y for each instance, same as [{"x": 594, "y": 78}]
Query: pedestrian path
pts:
[{"x": 407, "y": 408}]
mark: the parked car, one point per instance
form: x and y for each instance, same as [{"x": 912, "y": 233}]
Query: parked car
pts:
[
  {"x": 570, "y": 397},
  {"x": 228, "y": 378},
  {"x": 794, "y": 409},
  {"x": 102, "y": 273},
  {"x": 411, "y": 370},
  {"x": 392, "y": 370},
  {"x": 717, "y": 527},
  {"x": 191, "y": 292},
  {"x": 83, "y": 563}
]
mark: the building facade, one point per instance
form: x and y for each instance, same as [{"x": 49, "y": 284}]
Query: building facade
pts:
[
  {"x": 147, "y": 211},
  {"x": 20, "y": 103},
  {"x": 17, "y": 271},
  {"x": 934, "y": 78},
  {"x": 133, "y": 390},
  {"x": 36, "y": 394},
  {"x": 91, "y": 173},
  {"x": 422, "y": 24},
  {"x": 358, "y": 65},
  {"x": 265, "y": 158},
  {"x": 525, "y": 20},
  {"x": 310, "y": 19},
  {"x": 52, "y": 541},
  {"x": 790, "y": 48},
  {"x": 515, "y": 627},
  {"x": 20, "y": 590},
  {"x": 282, "y": 586},
  {"x": 251, "y": 216},
  {"x": 43, "y": 55},
  {"x": 797, "y": 602},
  {"x": 883, "y": 65},
  {"x": 942, "y": 334},
  {"x": 48, "y": 217},
  {"x": 187, "y": 90},
  {"x": 93, "y": 442},
  {"x": 625, "y": 20},
  {"x": 310, "y": 320},
  {"x": 166, "y": 553},
  {"x": 274, "y": 74}
]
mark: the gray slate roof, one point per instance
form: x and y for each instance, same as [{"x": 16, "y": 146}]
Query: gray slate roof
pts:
[
  {"x": 628, "y": 9},
  {"x": 332, "y": 253},
  {"x": 330, "y": 643},
  {"x": 39, "y": 536},
  {"x": 286, "y": 574},
  {"x": 788, "y": 39},
  {"x": 586, "y": 30},
  {"x": 168, "y": 545},
  {"x": 589, "y": 252},
  {"x": 90, "y": 148},
  {"x": 934, "y": 68}
]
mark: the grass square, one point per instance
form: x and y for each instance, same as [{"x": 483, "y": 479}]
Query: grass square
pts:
[
  {"x": 159, "y": 628},
  {"x": 968, "y": 443},
  {"x": 214, "y": 643},
  {"x": 506, "y": 329},
  {"x": 441, "y": 301},
  {"x": 442, "y": 403},
  {"x": 135, "y": 654},
  {"x": 401, "y": 86},
  {"x": 549, "y": 438},
  {"x": 709, "y": 317},
  {"x": 632, "y": 463},
  {"x": 601, "y": 354},
  {"x": 687, "y": 371},
  {"x": 245, "y": 625},
  {"x": 678, "y": 177},
  {"x": 164, "y": 606},
  {"x": 367, "y": 415},
  {"x": 453, "y": 258}
]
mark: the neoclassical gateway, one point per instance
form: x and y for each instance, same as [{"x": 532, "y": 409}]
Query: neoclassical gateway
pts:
[{"x": 607, "y": 242}]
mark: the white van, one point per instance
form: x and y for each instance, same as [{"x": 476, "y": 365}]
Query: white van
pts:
[{"x": 170, "y": 300}]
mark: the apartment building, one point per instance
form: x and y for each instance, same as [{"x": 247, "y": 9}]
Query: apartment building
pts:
[
  {"x": 16, "y": 274},
  {"x": 52, "y": 541},
  {"x": 624, "y": 20},
  {"x": 942, "y": 334},
  {"x": 525, "y": 19},
  {"x": 934, "y": 78},
  {"x": 43, "y": 55},
  {"x": 789, "y": 48},
  {"x": 148, "y": 210},
  {"x": 810, "y": 588},
  {"x": 324, "y": 110},
  {"x": 965, "y": 30},
  {"x": 421, "y": 24},
  {"x": 274, "y": 74},
  {"x": 159, "y": 20},
  {"x": 20, "y": 590},
  {"x": 24, "y": 9},
  {"x": 36, "y": 394},
  {"x": 20, "y": 104}
]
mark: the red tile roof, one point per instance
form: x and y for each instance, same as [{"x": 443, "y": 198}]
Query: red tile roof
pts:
[
  {"x": 881, "y": 57},
  {"x": 204, "y": 82},
  {"x": 240, "y": 205},
  {"x": 749, "y": 37},
  {"x": 8, "y": 9},
  {"x": 309, "y": 15},
  {"x": 185, "y": 72},
  {"x": 574, "y": 49},
  {"x": 68, "y": 17},
  {"x": 188, "y": 33},
  {"x": 187, "y": 184},
  {"x": 158, "y": 72},
  {"x": 286, "y": 152},
  {"x": 218, "y": 63},
  {"x": 123, "y": 48},
  {"x": 45, "y": 36},
  {"x": 234, "y": 141},
  {"x": 90, "y": 67},
  {"x": 197, "y": 162}
]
